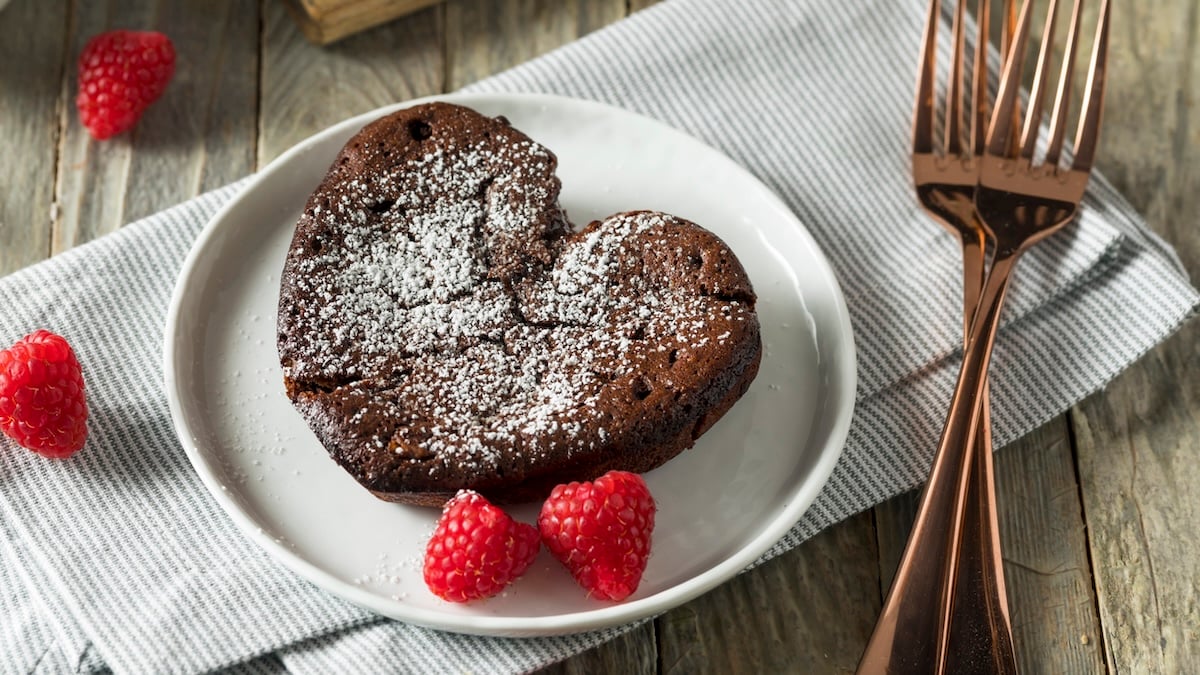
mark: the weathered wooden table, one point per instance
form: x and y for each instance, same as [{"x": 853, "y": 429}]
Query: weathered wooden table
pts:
[{"x": 1099, "y": 508}]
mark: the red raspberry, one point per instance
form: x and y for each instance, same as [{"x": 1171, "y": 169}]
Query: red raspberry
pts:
[
  {"x": 42, "y": 404},
  {"x": 476, "y": 549},
  {"x": 121, "y": 73},
  {"x": 601, "y": 532}
]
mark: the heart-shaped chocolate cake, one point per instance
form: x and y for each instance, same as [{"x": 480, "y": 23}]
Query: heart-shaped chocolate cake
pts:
[{"x": 441, "y": 327}]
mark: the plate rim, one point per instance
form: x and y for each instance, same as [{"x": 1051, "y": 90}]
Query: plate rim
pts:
[{"x": 508, "y": 626}]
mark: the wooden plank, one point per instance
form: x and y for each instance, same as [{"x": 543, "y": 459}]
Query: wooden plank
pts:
[
  {"x": 484, "y": 37},
  {"x": 198, "y": 136},
  {"x": 306, "y": 88},
  {"x": 1137, "y": 465},
  {"x": 810, "y": 610},
  {"x": 1055, "y": 623},
  {"x": 33, "y": 35},
  {"x": 633, "y": 653},
  {"x": 1137, "y": 439},
  {"x": 326, "y": 21}
]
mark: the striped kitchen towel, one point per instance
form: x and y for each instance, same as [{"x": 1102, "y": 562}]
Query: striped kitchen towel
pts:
[{"x": 119, "y": 558}]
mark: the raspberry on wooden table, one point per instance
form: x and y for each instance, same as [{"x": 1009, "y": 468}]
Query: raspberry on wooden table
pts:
[
  {"x": 42, "y": 403},
  {"x": 121, "y": 73},
  {"x": 601, "y": 532},
  {"x": 476, "y": 549}
]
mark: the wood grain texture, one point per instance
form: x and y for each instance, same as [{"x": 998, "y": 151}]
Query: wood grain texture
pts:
[
  {"x": 198, "y": 136},
  {"x": 484, "y": 37},
  {"x": 32, "y": 41},
  {"x": 810, "y": 610},
  {"x": 1055, "y": 624},
  {"x": 1137, "y": 464},
  {"x": 306, "y": 88},
  {"x": 1138, "y": 439},
  {"x": 633, "y": 653}
]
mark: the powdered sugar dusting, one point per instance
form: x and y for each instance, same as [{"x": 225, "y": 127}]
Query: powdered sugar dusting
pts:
[
  {"x": 453, "y": 368},
  {"x": 399, "y": 277}
]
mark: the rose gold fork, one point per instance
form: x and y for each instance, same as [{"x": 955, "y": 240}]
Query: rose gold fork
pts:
[
  {"x": 980, "y": 627},
  {"x": 976, "y": 607},
  {"x": 1018, "y": 204}
]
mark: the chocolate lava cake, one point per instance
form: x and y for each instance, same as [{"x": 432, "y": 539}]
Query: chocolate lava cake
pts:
[{"x": 441, "y": 327}]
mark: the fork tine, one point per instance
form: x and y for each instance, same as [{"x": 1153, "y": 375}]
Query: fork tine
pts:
[
  {"x": 955, "y": 91},
  {"x": 926, "y": 82},
  {"x": 1062, "y": 101},
  {"x": 1093, "y": 98},
  {"x": 1002, "y": 126},
  {"x": 1033, "y": 116},
  {"x": 979, "y": 97},
  {"x": 1007, "y": 33}
]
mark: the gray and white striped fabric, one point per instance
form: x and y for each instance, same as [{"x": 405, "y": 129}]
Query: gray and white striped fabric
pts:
[{"x": 119, "y": 559}]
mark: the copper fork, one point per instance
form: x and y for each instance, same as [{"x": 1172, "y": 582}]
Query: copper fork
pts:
[
  {"x": 980, "y": 627},
  {"x": 1018, "y": 202},
  {"x": 945, "y": 178}
]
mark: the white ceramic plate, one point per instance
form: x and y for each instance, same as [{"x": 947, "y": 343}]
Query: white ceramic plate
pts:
[{"x": 721, "y": 504}]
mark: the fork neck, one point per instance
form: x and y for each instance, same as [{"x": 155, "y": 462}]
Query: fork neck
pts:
[{"x": 981, "y": 332}]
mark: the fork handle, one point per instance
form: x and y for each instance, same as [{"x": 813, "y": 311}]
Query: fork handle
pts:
[
  {"x": 912, "y": 633},
  {"x": 980, "y": 638}
]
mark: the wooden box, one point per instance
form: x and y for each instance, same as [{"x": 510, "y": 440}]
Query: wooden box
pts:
[{"x": 326, "y": 21}]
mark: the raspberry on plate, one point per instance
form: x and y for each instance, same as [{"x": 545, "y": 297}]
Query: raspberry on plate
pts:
[
  {"x": 601, "y": 532},
  {"x": 42, "y": 403},
  {"x": 476, "y": 549},
  {"x": 121, "y": 73}
]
